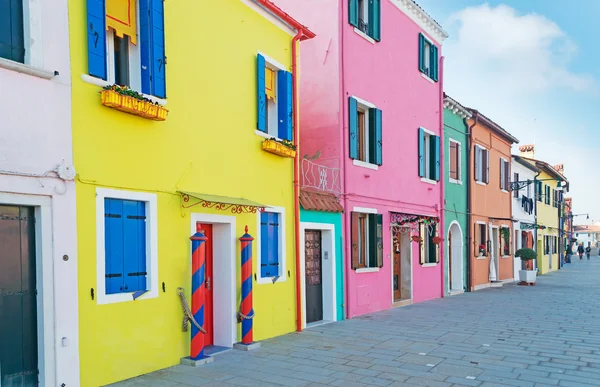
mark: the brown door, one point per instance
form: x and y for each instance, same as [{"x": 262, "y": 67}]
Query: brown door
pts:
[
  {"x": 397, "y": 278},
  {"x": 314, "y": 276},
  {"x": 207, "y": 230}
]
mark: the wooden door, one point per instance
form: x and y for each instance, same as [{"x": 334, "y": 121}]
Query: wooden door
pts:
[
  {"x": 207, "y": 229},
  {"x": 18, "y": 298},
  {"x": 397, "y": 276},
  {"x": 314, "y": 276}
]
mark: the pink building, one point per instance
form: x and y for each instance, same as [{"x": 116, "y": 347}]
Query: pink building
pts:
[{"x": 371, "y": 105}]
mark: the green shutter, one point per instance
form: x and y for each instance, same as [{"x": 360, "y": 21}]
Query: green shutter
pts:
[
  {"x": 435, "y": 151},
  {"x": 433, "y": 57},
  {"x": 353, "y": 12},
  {"x": 375, "y": 136},
  {"x": 375, "y": 19},
  {"x": 353, "y": 127},
  {"x": 421, "y": 152},
  {"x": 375, "y": 240},
  {"x": 422, "y": 53}
]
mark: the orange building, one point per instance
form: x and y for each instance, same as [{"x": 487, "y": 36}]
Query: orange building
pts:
[{"x": 490, "y": 203}]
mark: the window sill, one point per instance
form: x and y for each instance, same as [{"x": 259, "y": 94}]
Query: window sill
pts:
[
  {"x": 426, "y": 77},
  {"x": 480, "y": 183},
  {"x": 428, "y": 181},
  {"x": 104, "y": 299},
  {"x": 429, "y": 265},
  {"x": 269, "y": 280},
  {"x": 367, "y": 270},
  {"x": 364, "y": 164},
  {"x": 365, "y": 36},
  {"x": 505, "y": 191},
  {"x": 102, "y": 83},
  {"x": 264, "y": 135},
  {"x": 481, "y": 258},
  {"x": 453, "y": 181},
  {"x": 506, "y": 256},
  {"x": 26, "y": 69}
]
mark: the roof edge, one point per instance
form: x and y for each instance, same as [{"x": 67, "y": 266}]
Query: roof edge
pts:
[
  {"x": 286, "y": 18},
  {"x": 494, "y": 126},
  {"x": 524, "y": 163},
  {"x": 422, "y": 19},
  {"x": 456, "y": 108}
]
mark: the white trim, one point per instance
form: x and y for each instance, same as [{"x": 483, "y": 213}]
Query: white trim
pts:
[
  {"x": 25, "y": 69},
  {"x": 282, "y": 247},
  {"x": 482, "y": 257},
  {"x": 363, "y": 102},
  {"x": 365, "y": 36},
  {"x": 364, "y": 164},
  {"x": 456, "y": 108},
  {"x": 429, "y": 132},
  {"x": 503, "y": 190},
  {"x": 429, "y": 264},
  {"x": 460, "y": 258},
  {"x": 365, "y": 210},
  {"x": 479, "y": 222},
  {"x": 427, "y": 78},
  {"x": 275, "y": 65},
  {"x": 366, "y": 270},
  {"x": 453, "y": 181},
  {"x": 269, "y": 16},
  {"x": 151, "y": 245},
  {"x": 480, "y": 183},
  {"x": 421, "y": 18},
  {"x": 264, "y": 135},
  {"x": 328, "y": 239},
  {"x": 428, "y": 181},
  {"x": 102, "y": 83},
  {"x": 224, "y": 272}
]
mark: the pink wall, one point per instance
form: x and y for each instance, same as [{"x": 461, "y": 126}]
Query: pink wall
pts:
[{"x": 385, "y": 74}]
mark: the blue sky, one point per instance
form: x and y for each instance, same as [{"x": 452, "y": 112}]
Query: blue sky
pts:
[{"x": 531, "y": 66}]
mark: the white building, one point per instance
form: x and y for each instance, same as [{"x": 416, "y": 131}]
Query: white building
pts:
[
  {"x": 38, "y": 248},
  {"x": 523, "y": 207}
]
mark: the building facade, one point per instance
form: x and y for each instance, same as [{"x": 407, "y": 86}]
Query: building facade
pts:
[
  {"x": 147, "y": 181},
  {"x": 491, "y": 252},
  {"x": 456, "y": 175},
  {"x": 38, "y": 268},
  {"x": 392, "y": 190}
]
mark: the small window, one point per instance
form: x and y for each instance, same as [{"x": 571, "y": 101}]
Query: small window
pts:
[
  {"x": 482, "y": 162},
  {"x": 504, "y": 175},
  {"x": 516, "y": 191},
  {"x": 547, "y": 194},
  {"x": 455, "y": 159},
  {"x": 12, "y": 34},
  {"x": 555, "y": 245},
  {"x": 269, "y": 244},
  {"x": 538, "y": 191},
  {"x": 367, "y": 240},
  {"x": 365, "y": 132},
  {"x": 480, "y": 239},
  {"x": 505, "y": 247},
  {"x": 429, "y": 248},
  {"x": 365, "y": 15},
  {"x": 428, "y": 58},
  {"x": 429, "y": 155},
  {"x": 274, "y": 90}
]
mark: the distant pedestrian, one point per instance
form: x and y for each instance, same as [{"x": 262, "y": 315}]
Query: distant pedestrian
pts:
[
  {"x": 580, "y": 251},
  {"x": 588, "y": 250}
]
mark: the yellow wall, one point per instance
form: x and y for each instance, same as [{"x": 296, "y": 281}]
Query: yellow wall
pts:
[
  {"x": 208, "y": 145},
  {"x": 547, "y": 215}
]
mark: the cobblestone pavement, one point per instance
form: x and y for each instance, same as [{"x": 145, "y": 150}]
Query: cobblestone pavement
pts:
[{"x": 546, "y": 335}]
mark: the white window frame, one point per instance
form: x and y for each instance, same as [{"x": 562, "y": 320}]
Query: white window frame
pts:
[
  {"x": 282, "y": 247},
  {"x": 506, "y": 173},
  {"x": 427, "y": 59},
  {"x": 426, "y": 246},
  {"x": 427, "y": 156},
  {"x": 366, "y": 258},
  {"x": 481, "y": 180},
  {"x": 509, "y": 240},
  {"x": 364, "y": 106},
  {"x": 458, "y": 162},
  {"x": 486, "y": 233},
  {"x": 151, "y": 245},
  {"x": 366, "y": 211}
]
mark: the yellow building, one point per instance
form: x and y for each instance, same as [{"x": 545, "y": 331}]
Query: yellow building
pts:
[
  {"x": 549, "y": 186},
  {"x": 145, "y": 183}
]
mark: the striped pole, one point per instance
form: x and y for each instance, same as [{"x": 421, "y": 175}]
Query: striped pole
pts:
[
  {"x": 247, "y": 311},
  {"x": 198, "y": 292}
]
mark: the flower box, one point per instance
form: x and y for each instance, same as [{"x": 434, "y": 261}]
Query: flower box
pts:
[
  {"x": 131, "y": 105},
  {"x": 278, "y": 148}
]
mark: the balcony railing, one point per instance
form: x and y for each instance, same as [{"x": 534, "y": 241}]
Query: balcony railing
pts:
[{"x": 320, "y": 177}]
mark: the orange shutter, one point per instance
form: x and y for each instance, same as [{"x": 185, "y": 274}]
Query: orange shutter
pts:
[
  {"x": 121, "y": 17},
  {"x": 270, "y": 83}
]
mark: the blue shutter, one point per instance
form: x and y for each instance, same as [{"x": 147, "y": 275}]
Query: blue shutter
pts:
[
  {"x": 434, "y": 62},
  {"x": 375, "y": 136},
  {"x": 353, "y": 12},
  {"x": 264, "y": 244},
  {"x": 353, "y": 127},
  {"x": 157, "y": 21},
  {"x": 435, "y": 145},
  {"x": 421, "y": 152},
  {"x": 145, "y": 42},
  {"x": 261, "y": 124},
  {"x": 284, "y": 105},
  {"x": 375, "y": 19},
  {"x": 96, "y": 25},
  {"x": 274, "y": 245},
  {"x": 113, "y": 245},
  {"x": 134, "y": 236},
  {"x": 422, "y": 53}
]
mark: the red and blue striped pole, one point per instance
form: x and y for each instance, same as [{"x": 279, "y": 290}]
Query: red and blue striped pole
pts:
[
  {"x": 198, "y": 292},
  {"x": 247, "y": 311}
]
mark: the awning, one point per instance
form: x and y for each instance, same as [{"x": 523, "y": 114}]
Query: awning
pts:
[
  {"x": 121, "y": 16},
  {"x": 222, "y": 203},
  {"x": 320, "y": 201}
]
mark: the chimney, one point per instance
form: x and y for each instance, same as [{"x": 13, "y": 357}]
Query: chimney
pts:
[
  {"x": 560, "y": 168},
  {"x": 527, "y": 151}
]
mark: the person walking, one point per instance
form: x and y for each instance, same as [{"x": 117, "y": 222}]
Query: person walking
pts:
[
  {"x": 580, "y": 251},
  {"x": 588, "y": 250}
]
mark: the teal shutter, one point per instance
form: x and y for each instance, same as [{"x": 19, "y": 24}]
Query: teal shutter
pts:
[
  {"x": 435, "y": 151},
  {"x": 434, "y": 62},
  {"x": 421, "y": 152},
  {"x": 261, "y": 123},
  {"x": 113, "y": 246},
  {"x": 422, "y": 53},
  {"x": 159, "y": 61},
  {"x": 372, "y": 235},
  {"x": 353, "y": 12},
  {"x": 353, "y": 127},
  {"x": 134, "y": 237},
  {"x": 284, "y": 105},
  {"x": 375, "y": 143},
  {"x": 375, "y": 19},
  {"x": 96, "y": 25},
  {"x": 379, "y": 240},
  {"x": 12, "y": 38}
]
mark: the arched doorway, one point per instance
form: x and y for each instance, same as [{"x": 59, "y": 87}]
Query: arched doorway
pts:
[{"x": 455, "y": 257}]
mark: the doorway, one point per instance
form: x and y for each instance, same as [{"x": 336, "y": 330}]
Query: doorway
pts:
[
  {"x": 209, "y": 336},
  {"x": 18, "y": 298},
  {"x": 402, "y": 273},
  {"x": 494, "y": 264},
  {"x": 455, "y": 257},
  {"x": 313, "y": 276}
]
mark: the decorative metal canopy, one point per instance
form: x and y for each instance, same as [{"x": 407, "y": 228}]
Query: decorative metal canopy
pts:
[{"x": 221, "y": 203}]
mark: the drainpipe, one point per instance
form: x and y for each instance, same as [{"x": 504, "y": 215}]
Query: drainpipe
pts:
[
  {"x": 442, "y": 179},
  {"x": 344, "y": 144},
  {"x": 469, "y": 185},
  {"x": 535, "y": 230}
]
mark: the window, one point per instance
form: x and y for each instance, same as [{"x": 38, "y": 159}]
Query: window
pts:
[
  {"x": 480, "y": 238},
  {"x": 429, "y": 249},
  {"x": 516, "y": 191},
  {"x": 555, "y": 245},
  {"x": 482, "y": 162},
  {"x": 555, "y": 198},
  {"x": 546, "y": 245},
  {"x": 269, "y": 244},
  {"x": 12, "y": 34},
  {"x": 547, "y": 194},
  {"x": 455, "y": 172},
  {"x": 127, "y": 261},
  {"x": 365, "y": 122},
  {"x": 428, "y": 58},
  {"x": 504, "y": 175},
  {"x": 275, "y": 113},
  {"x": 367, "y": 240},
  {"x": 538, "y": 191},
  {"x": 505, "y": 241},
  {"x": 429, "y": 155},
  {"x": 126, "y": 44},
  {"x": 365, "y": 16}
]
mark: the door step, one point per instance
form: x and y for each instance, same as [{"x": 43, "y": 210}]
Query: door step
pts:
[{"x": 496, "y": 284}]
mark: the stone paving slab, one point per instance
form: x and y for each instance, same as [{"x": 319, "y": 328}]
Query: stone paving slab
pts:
[{"x": 547, "y": 335}]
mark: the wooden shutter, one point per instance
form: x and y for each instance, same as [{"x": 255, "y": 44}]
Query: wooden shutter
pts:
[
  {"x": 353, "y": 12},
  {"x": 486, "y": 170},
  {"x": 113, "y": 246},
  {"x": 375, "y": 19},
  {"x": 96, "y": 25},
  {"x": 145, "y": 42},
  {"x": 284, "y": 105},
  {"x": 264, "y": 244},
  {"x": 159, "y": 62},
  {"x": 421, "y": 152},
  {"x": 422, "y": 244},
  {"x": 453, "y": 167},
  {"x": 516, "y": 191},
  {"x": 261, "y": 123},
  {"x": 353, "y": 126},
  {"x": 354, "y": 239},
  {"x": 134, "y": 237},
  {"x": 478, "y": 165},
  {"x": 436, "y": 233},
  {"x": 375, "y": 143},
  {"x": 433, "y": 58},
  {"x": 12, "y": 37},
  {"x": 434, "y": 144},
  {"x": 502, "y": 171},
  {"x": 422, "y": 53},
  {"x": 372, "y": 235}
]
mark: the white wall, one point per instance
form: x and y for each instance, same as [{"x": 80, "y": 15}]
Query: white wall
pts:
[
  {"x": 524, "y": 174},
  {"x": 35, "y": 137}
]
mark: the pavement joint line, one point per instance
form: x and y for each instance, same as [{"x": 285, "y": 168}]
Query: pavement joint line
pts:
[{"x": 471, "y": 377}]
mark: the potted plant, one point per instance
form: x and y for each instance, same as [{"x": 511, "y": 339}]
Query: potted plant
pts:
[
  {"x": 482, "y": 251},
  {"x": 279, "y": 147},
  {"x": 417, "y": 238},
  {"x": 527, "y": 256},
  {"x": 437, "y": 240}
]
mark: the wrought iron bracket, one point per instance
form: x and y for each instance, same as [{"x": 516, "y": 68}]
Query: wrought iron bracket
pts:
[
  {"x": 188, "y": 201},
  {"x": 518, "y": 185}
]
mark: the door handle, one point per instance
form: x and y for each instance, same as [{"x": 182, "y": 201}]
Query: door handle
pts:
[{"x": 208, "y": 283}]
